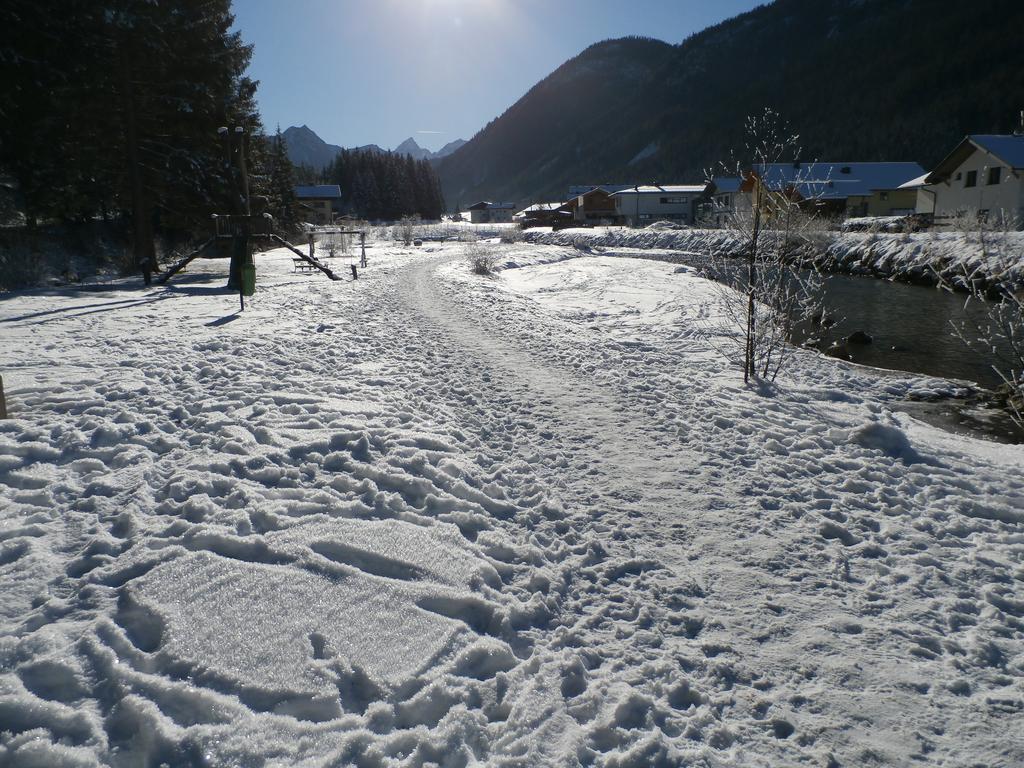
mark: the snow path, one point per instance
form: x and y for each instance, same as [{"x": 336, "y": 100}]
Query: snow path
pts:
[{"x": 430, "y": 518}]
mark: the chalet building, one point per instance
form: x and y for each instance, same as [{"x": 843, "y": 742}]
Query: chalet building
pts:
[
  {"x": 835, "y": 188},
  {"x": 983, "y": 174},
  {"x": 593, "y": 207},
  {"x": 543, "y": 215},
  {"x": 491, "y": 213},
  {"x": 318, "y": 204},
  {"x": 644, "y": 204},
  {"x": 580, "y": 189}
]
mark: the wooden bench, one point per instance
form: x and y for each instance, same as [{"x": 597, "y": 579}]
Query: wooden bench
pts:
[{"x": 302, "y": 266}]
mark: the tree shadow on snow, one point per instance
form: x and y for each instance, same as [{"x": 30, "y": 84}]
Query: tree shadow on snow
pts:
[{"x": 79, "y": 310}]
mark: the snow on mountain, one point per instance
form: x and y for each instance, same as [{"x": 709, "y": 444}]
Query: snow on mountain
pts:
[
  {"x": 428, "y": 518},
  {"x": 410, "y": 147},
  {"x": 305, "y": 147}
]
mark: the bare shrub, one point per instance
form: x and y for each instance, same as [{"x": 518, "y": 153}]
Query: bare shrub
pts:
[
  {"x": 406, "y": 229},
  {"x": 767, "y": 294},
  {"x": 994, "y": 282},
  {"x": 513, "y": 234},
  {"x": 481, "y": 257}
]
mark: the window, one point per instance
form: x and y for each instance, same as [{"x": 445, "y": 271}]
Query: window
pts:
[
  {"x": 959, "y": 175},
  {"x": 994, "y": 174},
  {"x": 972, "y": 179},
  {"x": 883, "y": 195},
  {"x": 673, "y": 201}
]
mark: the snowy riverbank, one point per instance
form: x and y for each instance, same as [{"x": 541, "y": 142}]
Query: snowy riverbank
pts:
[
  {"x": 916, "y": 257},
  {"x": 534, "y": 519}
]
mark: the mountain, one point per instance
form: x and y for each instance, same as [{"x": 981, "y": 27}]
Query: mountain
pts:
[
  {"x": 370, "y": 148},
  {"x": 306, "y": 148},
  {"x": 448, "y": 148},
  {"x": 410, "y": 147},
  {"x": 856, "y": 79}
]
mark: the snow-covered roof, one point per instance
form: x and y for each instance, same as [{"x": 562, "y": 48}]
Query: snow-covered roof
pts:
[
  {"x": 582, "y": 189},
  {"x": 543, "y": 207},
  {"x": 914, "y": 183},
  {"x": 663, "y": 189},
  {"x": 1007, "y": 148},
  {"x": 837, "y": 180},
  {"x": 488, "y": 205},
  {"x": 540, "y": 207},
  {"x": 728, "y": 184},
  {"x": 317, "y": 191}
]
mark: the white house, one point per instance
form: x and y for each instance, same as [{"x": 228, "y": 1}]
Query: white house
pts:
[
  {"x": 642, "y": 204},
  {"x": 727, "y": 198},
  {"x": 983, "y": 174},
  {"x": 491, "y": 213}
]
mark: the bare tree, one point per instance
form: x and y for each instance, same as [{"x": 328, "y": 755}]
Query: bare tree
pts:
[
  {"x": 996, "y": 281},
  {"x": 771, "y": 297},
  {"x": 407, "y": 229}
]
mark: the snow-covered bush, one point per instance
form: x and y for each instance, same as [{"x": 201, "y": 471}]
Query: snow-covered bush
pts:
[
  {"x": 481, "y": 257},
  {"x": 513, "y": 234}
]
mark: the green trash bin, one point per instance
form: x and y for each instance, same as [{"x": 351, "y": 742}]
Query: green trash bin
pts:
[{"x": 248, "y": 279}]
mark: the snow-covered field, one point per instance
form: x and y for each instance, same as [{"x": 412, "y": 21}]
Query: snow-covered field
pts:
[{"x": 428, "y": 518}]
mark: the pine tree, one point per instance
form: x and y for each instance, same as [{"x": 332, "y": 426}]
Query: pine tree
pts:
[
  {"x": 280, "y": 187},
  {"x": 114, "y": 106}
]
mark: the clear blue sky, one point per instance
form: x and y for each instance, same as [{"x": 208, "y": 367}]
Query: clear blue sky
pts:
[{"x": 379, "y": 71}]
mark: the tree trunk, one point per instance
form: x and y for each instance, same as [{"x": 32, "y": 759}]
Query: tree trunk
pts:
[
  {"x": 749, "y": 358},
  {"x": 142, "y": 212}
]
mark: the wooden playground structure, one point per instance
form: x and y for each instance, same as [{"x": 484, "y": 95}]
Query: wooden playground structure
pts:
[
  {"x": 241, "y": 228},
  {"x": 250, "y": 227}
]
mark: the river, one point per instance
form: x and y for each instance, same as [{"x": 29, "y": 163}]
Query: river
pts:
[{"x": 911, "y": 329}]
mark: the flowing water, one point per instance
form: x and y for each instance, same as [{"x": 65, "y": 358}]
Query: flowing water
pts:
[{"x": 912, "y": 328}]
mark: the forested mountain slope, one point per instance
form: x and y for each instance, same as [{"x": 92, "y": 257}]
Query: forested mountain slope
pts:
[{"x": 857, "y": 79}]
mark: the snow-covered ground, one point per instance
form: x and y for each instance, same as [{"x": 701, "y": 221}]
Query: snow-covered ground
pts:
[{"x": 429, "y": 518}]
